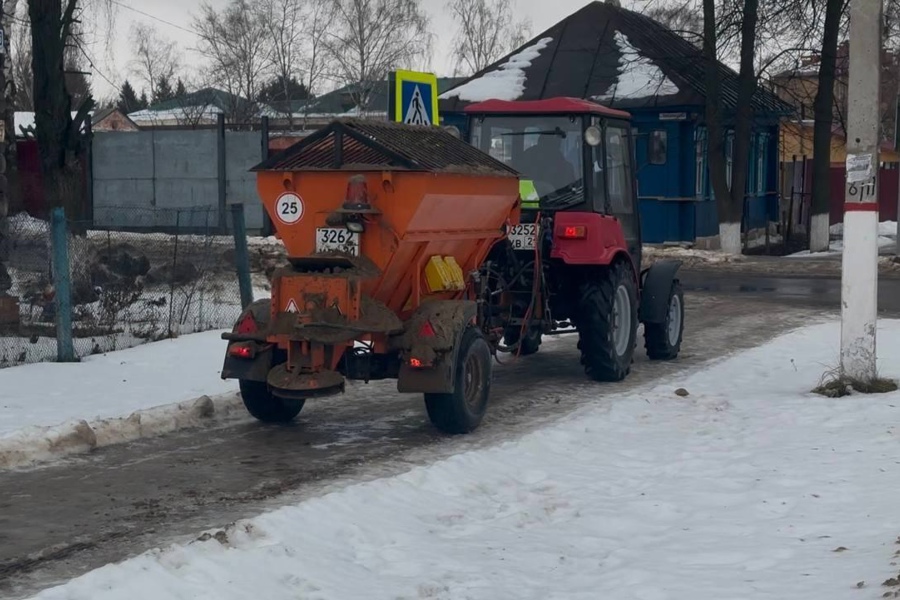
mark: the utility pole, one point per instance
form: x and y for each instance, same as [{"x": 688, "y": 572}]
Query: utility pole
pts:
[{"x": 859, "y": 273}]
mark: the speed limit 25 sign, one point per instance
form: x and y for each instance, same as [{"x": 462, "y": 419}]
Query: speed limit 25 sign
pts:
[{"x": 289, "y": 208}]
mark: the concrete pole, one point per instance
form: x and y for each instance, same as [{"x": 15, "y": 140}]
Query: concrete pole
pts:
[{"x": 859, "y": 279}]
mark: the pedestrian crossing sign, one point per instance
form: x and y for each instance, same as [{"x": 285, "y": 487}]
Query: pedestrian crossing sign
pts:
[{"x": 414, "y": 98}]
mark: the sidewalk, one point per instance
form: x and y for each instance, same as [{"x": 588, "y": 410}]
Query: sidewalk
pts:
[{"x": 107, "y": 398}]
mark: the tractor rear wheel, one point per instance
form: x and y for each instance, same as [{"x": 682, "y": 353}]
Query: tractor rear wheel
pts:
[
  {"x": 663, "y": 340},
  {"x": 264, "y": 406},
  {"x": 462, "y": 410},
  {"x": 607, "y": 321}
]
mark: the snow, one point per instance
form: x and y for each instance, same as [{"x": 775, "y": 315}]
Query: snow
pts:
[
  {"x": 25, "y": 119},
  {"x": 507, "y": 82},
  {"x": 749, "y": 487},
  {"x": 639, "y": 77},
  {"x": 887, "y": 238},
  {"x": 42, "y": 402},
  {"x": 186, "y": 114},
  {"x": 885, "y": 229}
]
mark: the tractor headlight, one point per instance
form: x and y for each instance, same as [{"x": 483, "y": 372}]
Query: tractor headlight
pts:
[{"x": 593, "y": 136}]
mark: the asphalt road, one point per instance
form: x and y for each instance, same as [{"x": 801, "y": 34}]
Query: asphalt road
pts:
[{"x": 60, "y": 521}]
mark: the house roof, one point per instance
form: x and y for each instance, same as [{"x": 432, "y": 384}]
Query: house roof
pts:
[
  {"x": 551, "y": 106},
  {"x": 339, "y": 101},
  {"x": 608, "y": 54},
  {"x": 384, "y": 145},
  {"x": 106, "y": 112}
]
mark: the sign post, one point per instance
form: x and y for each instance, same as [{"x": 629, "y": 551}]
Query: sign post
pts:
[
  {"x": 413, "y": 98},
  {"x": 859, "y": 272}
]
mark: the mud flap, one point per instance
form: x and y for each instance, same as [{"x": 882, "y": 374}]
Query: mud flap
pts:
[
  {"x": 657, "y": 284},
  {"x": 448, "y": 320},
  {"x": 249, "y": 369}
]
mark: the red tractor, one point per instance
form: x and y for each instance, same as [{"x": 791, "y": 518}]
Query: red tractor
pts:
[
  {"x": 574, "y": 259},
  {"x": 415, "y": 257}
]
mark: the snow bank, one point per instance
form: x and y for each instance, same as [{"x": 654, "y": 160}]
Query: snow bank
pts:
[
  {"x": 507, "y": 82},
  {"x": 749, "y": 487},
  {"x": 837, "y": 247},
  {"x": 885, "y": 228},
  {"x": 639, "y": 77},
  {"x": 55, "y": 409}
]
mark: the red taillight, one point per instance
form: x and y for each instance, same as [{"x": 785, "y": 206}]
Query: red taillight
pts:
[
  {"x": 247, "y": 324},
  {"x": 574, "y": 232},
  {"x": 415, "y": 363},
  {"x": 241, "y": 350},
  {"x": 427, "y": 330}
]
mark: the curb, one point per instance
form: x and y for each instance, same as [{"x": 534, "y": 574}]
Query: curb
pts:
[{"x": 32, "y": 445}]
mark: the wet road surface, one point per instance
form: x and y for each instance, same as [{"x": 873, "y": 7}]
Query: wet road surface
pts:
[{"x": 60, "y": 521}]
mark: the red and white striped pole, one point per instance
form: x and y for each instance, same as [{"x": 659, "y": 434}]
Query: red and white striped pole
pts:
[{"x": 859, "y": 276}]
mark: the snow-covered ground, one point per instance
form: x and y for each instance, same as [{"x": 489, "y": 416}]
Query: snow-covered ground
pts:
[
  {"x": 748, "y": 487},
  {"x": 48, "y": 409}
]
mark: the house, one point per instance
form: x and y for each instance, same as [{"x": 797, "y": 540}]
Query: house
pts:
[
  {"x": 798, "y": 87},
  {"x": 343, "y": 102},
  {"x": 112, "y": 119},
  {"x": 625, "y": 60},
  {"x": 199, "y": 109},
  {"x": 796, "y": 143}
]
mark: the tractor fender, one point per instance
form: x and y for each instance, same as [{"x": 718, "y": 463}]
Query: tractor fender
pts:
[
  {"x": 257, "y": 368},
  {"x": 448, "y": 320},
  {"x": 657, "y": 284}
]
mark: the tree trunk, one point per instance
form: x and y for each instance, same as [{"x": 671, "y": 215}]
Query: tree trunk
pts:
[
  {"x": 743, "y": 125},
  {"x": 729, "y": 223},
  {"x": 824, "y": 118},
  {"x": 58, "y": 135}
]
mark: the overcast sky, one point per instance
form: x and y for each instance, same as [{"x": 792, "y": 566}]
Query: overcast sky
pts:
[{"x": 112, "y": 62}]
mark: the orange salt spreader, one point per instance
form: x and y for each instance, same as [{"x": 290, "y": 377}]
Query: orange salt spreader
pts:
[{"x": 386, "y": 227}]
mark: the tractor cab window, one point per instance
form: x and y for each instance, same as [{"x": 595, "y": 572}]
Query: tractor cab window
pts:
[
  {"x": 619, "y": 184},
  {"x": 547, "y": 151}
]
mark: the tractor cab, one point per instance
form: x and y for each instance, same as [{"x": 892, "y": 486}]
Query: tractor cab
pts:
[{"x": 573, "y": 155}]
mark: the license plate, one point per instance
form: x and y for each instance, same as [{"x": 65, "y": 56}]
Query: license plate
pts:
[
  {"x": 522, "y": 237},
  {"x": 337, "y": 239}
]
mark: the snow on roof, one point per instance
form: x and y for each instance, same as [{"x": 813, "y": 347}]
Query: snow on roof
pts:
[
  {"x": 26, "y": 119},
  {"x": 639, "y": 77},
  {"x": 507, "y": 82},
  {"x": 186, "y": 113}
]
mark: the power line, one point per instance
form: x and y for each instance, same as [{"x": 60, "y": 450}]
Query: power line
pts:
[
  {"x": 94, "y": 67},
  {"x": 154, "y": 17}
]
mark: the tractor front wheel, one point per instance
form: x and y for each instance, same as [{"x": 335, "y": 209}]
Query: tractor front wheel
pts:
[
  {"x": 663, "y": 340},
  {"x": 607, "y": 321},
  {"x": 265, "y": 407},
  {"x": 462, "y": 410},
  {"x": 528, "y": 344}
]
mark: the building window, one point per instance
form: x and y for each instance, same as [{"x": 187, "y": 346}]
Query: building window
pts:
[
  {"x": 700, "y": 164},
  {"x": 658, "y": 147},
  {"x": 729, "y": 157},
  {"x": 762, "y": 154}
]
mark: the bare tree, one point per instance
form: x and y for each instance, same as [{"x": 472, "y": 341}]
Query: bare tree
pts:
[
  {"x": 372, "y": 37},
  {"x": 237, "y": 44},
  {"x": 486, "y": 31},
  {"x": 60, "y": 140},
  {"x": 282, "y": 20},
  {"x": 819, "y": 239},
  {"x": 317, "y": 60},
  {"x": 156, "y": 58},
  {"x": 729, "y": 194},
  {"x": 684, "y": 19},
  {"x": 20, "y": 66}
]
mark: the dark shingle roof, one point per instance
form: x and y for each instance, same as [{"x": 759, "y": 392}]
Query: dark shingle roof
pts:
[
  {"x": 583, "y": 60},
  {"x": 384, "y": 145},
  {"x": 339, "y": 101}
]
